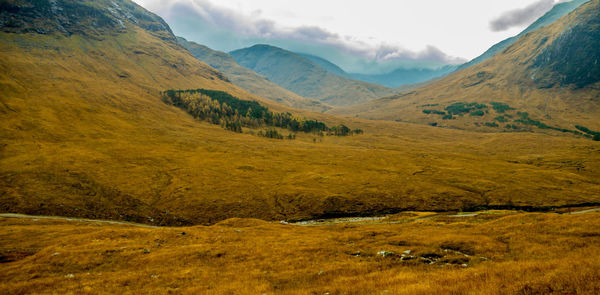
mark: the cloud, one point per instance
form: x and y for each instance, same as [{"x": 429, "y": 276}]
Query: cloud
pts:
[
  {"x": 255, "y": 26},
  {"x": 521, "y": 16}
]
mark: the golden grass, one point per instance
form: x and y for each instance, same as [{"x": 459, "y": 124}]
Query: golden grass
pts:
[{"x": 508, "y": 253}]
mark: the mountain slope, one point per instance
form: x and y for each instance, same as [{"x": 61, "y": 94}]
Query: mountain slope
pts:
[
  {"x": 249, "y": 80},
  {"x": 547, "y": 80},
  {"x": 300, "y": 75},
  {"x": 559, "y": 10},
  {"x": 326, "y": 65}
]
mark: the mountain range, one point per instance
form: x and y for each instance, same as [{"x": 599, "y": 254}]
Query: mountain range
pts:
[
  {"x": 299, "y": 74},
  {"x": 249, "y": 80}
]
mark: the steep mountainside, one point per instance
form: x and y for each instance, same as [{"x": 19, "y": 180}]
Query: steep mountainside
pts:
[
  {"x": 548, "y": 80},
  {"x": 302, "y": 76},
  {"x": 249, "y": 80},
  {"x": 559, "y": 10}
]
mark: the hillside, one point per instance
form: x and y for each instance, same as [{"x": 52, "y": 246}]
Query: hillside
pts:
[
  {"x": 547, "y": 81},
  {"x": 87, "y": 133},
  {"x": 249, "y": 80},
  {"x": 302, "y": 76},
  {"x": 559, "y": 10}
]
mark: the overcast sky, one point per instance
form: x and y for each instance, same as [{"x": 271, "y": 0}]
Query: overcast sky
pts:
[{"x": 424, "y": 30}]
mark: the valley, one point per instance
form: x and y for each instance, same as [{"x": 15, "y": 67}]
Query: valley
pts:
[{"x": 133, "y": 161}]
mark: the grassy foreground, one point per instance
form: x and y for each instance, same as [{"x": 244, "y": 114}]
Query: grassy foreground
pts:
[{"x": 495, "y": 252}]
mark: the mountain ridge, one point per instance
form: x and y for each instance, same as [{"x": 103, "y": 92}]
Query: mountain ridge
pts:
[
  {"x": 304, "y": 77},
  {"x": 249, "y": 80}
]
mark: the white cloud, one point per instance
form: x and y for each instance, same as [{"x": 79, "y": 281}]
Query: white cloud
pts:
[
  {"x": 521, "y": 16},
  {"x": 253, "y": 25}
]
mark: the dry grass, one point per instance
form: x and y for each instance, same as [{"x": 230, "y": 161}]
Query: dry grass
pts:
[{"x": 508, "y": 253}]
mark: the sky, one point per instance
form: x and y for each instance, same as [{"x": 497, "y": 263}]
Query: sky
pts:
[{"x": 360, "y": 36}]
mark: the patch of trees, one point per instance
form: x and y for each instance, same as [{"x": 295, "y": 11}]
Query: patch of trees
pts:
[
  {"x": 232, "y": 113},
  {"x": 501, "y": 119},
  {"x": 501, "y": 107},
  {"x": 459, "y": 108},
  {"x": 589, "y": 133},
  {"x": 525, "y": 120},
  {"x": 434, "y": 112}
]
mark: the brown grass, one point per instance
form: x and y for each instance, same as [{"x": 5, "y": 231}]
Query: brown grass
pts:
[{"x": 508, "y": 253}]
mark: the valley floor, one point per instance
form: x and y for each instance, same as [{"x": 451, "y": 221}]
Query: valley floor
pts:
[{"x": 489, "y": 252}]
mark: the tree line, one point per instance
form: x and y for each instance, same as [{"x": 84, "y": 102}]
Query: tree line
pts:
[{"x": 232, "y": 113}]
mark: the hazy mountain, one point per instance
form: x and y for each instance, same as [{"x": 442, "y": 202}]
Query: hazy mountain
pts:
[
  {"x": 546, "y": 81},
  {"x": 306, "y": 78},
  {"x": 327, "y": 65},
  {"x": 396, "y": 78},
  {"x": 559, "y": 10},
  {"x": 401, "y": 77},
  {"x": 249, "y": 80}
]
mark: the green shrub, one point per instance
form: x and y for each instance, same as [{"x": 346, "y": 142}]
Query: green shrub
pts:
[
  {"x": 459, "y": 108},
  {"x": 501, "y": 107},
  {"x": 434, "y": 112},
  {"x": 270, "y": 133},
  {"x": 491, "y": 124},
  {"x": 586, "y": 130},
  {"x": 477, "y": 113},
  {"x": 501, "y": 119}
]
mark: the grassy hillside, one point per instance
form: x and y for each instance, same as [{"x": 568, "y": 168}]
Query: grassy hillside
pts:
[
  {"x": 249, "y": 80},
  {"x": 302, "y": 76},
  {"x": 495, "y": 252},
  {"x": 548, "y": 78},
  {"x": 86, "y": 133}
]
